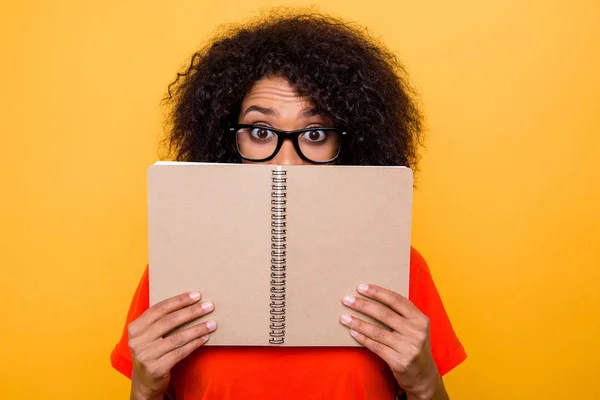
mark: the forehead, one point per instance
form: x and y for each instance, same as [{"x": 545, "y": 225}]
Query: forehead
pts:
[{"x": 275, "y": 92}]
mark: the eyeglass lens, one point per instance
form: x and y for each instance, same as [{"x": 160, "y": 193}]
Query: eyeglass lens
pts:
[{"x": 258, "y": 143}]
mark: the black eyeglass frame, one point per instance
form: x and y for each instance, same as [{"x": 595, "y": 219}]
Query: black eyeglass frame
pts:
[{"x": 283, "y": 135}]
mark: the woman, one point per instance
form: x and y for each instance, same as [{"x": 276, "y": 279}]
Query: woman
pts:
[{"x": 255, "y": 84}]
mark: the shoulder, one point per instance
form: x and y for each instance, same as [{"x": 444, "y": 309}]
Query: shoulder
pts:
[
  {"x": 421, "y": 283},
  {"x": 446, "y": 348},
  {"x": 417, "y": 261},
  {"x": 121, "y": 356}
]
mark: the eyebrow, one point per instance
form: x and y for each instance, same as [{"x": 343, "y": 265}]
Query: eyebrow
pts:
[
  {"x": 262, "y": 110},
  {"x": 311, "y": 112}
]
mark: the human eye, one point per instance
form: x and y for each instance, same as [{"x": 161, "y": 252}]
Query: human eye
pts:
[
  {"x": 314, "y": 137},
  {"x": 261, "y": 134}
]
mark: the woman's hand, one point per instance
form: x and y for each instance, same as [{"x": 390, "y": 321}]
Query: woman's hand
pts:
[
  {"x": 153, "y": 356},
  {"x": 405, "y": 348}
]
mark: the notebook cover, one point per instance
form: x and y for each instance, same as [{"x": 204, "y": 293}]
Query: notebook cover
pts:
[{"x": 209, "y": 229}]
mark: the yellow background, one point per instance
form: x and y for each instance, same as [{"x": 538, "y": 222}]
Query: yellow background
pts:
[{"x": 507, "y": 210}]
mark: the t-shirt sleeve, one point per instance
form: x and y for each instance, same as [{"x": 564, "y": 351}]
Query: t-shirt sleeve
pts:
[
  {"x": 120, "y": 358},
  {"x": 446, "y": 349}
]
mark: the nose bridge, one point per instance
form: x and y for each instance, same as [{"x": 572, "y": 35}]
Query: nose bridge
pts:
[{"x": 287, "y": 155}]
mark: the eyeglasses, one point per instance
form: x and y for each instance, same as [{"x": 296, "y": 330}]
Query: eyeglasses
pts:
[{"x": 261, "y": 143}]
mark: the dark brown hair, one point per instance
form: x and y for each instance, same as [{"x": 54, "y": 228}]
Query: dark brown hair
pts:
[{"x": 348, "y": 75}]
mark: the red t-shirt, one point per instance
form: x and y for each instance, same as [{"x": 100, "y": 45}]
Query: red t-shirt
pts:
[{"x": 299, "y": 373}]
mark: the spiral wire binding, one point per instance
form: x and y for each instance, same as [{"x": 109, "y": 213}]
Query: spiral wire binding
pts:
[{"x": 278, "y": 255}]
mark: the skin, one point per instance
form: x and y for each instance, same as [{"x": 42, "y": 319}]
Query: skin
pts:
[
  {"x": 272, "y": 102},
  {"x": 405, "y": 348}
]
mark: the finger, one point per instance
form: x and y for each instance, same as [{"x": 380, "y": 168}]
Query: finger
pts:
[
  {"x": 371, "y": 331},
  {"x": 165, "y": 307},
  {"x": 175, "y": 319},
  {"x": 396, "y": 302},
  {"x": 178, "y": 354},
  {"x": 386, "y": 353},
  {"x": 377, "y": 311},
  {"x": 180, "y": 339}
]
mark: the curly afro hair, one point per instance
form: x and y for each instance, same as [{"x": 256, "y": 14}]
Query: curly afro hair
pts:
[{"x": 348, "y": 76}]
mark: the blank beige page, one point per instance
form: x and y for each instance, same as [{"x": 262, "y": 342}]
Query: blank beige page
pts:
[
  {"x": 208, "y": 230},
  {"x": 346, "y": 226}
]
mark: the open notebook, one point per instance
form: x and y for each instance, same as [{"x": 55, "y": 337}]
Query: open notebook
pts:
[{"x": 277, "y": 247}]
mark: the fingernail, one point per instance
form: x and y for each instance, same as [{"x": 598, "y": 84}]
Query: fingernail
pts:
[
  {"x": 194, "y": 295},
  {"x": 346, "y": 319},
  {"x": 363, "y": 287},
  {"x": 353, "y": 333},
  {"x": 205, "y": 337},
  {"x": 349, "y": 300},
  {"x": 207, "y": 306},
  {"x": 211, "y": 325}
]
